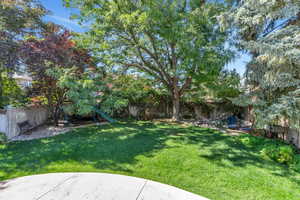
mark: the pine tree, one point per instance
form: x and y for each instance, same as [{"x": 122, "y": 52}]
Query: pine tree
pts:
[{"x": 270, "y": 31}]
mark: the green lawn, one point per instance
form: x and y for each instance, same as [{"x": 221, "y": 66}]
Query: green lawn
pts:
[{"x": 199, "y": 160}]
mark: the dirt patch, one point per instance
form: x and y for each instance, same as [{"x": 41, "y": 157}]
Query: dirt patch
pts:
[{"x": 49, "y": 131}]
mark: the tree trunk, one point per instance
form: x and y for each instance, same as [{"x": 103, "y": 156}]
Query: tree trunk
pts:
[
  {"x": 176, "y": 105},
  {"x": 54, "y": 111},
  {"x": 198, "y": 112}
]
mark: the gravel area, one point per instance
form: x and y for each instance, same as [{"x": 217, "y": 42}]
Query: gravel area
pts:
[
  {"x": 49, "y": 131},
  {"x": 41, "y": 132}
]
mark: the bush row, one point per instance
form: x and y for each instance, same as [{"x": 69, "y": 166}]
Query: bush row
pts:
[{"x": 272, "y": 149}]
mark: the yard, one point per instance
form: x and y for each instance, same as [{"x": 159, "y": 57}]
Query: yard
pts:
[{"x": 199, "y": 160}]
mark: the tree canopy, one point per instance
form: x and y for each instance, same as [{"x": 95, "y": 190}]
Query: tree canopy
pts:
[
  {"x": 172, "y": 41},
  {"x": 17, "y": 19},
  {"x": 46, "y": 57},
  {"x": 270, "y": 31}
]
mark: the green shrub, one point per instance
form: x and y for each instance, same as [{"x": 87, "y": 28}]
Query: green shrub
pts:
[
  {"x": 12, "y": 94},
  {"x": 272, "y": 149},
  {"x": 296, "y": 164},
  {"x": 279, "y": 152},
  {"x": 251, "y": 141},
  {"x": 3, "y": 138}
]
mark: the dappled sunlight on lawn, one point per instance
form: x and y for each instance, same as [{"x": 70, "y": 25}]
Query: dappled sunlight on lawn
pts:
[{"x": 199, "y": 160}]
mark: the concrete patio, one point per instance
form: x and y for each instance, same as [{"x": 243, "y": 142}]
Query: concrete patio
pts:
[{"x": 92, "y": 186}]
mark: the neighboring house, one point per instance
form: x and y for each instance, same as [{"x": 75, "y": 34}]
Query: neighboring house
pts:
[{"x": 23, "y": 80}]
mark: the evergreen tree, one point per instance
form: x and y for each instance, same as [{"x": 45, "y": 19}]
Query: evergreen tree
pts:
[{"x": 270, "y": 31}]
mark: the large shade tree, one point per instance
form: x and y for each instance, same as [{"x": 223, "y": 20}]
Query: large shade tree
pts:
[
  {"x": 172, "y": 41},
  {"x": 270, "y": 32}
]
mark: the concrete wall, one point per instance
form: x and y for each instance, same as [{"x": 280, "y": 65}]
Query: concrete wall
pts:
[{"x": 34, "y": 115}]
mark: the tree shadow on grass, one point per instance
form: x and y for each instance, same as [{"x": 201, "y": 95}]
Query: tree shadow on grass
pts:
[
  {"x": 228, "y": 151},
  {"x": 115, "y": 148},
  {"x": 109, "y": 147}
]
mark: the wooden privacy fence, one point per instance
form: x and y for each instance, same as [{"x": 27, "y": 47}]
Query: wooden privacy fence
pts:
[
  {"x": 3, "y": 121},
  {"x": 285, "y": 133},
  {"x": 11, "y": 118}
]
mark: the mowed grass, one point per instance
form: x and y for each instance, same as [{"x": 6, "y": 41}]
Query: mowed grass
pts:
[{"x": 203, "y": 161}]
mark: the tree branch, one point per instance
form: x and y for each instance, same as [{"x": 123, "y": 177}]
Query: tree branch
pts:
[
  {"x": 140, "y": 66},
  {"x": 163, "y": 75},
  {"x": 186, "y": 85},
  {"x": 152, "y": 41}
]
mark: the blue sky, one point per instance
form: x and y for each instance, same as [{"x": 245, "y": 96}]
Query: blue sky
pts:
[{"x": 60, "y": 15}]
